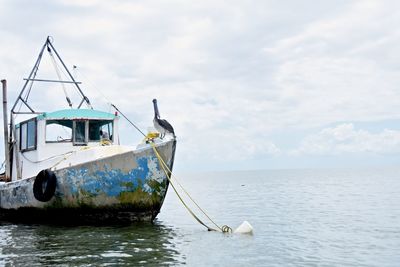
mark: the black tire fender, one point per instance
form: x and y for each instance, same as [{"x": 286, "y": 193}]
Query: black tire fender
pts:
[{"x": 44, "y": 185}]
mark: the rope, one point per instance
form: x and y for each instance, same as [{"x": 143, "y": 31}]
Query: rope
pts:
[
  {"x": 226, "y": 229},
  {"x": 64, "y": 155},
  {"x": 168, "y": 172},
  {"x": 3, "y": 164},
  {"x": 67, "y": 156},
  {"x": 180, "y": 198},
  {"x": 49, "y": 158}
]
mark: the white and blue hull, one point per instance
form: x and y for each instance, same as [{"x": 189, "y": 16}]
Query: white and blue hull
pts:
[{"x": 124, "y": 187}]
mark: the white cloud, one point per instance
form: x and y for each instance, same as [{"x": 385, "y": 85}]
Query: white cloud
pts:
[
  {"x": 229, "y": 76},
  {"x": 341, "y": 68},
  {"x": 345, "y": 139}
]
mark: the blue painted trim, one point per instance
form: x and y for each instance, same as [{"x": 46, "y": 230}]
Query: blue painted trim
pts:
[{"x": 76, "y": 114}]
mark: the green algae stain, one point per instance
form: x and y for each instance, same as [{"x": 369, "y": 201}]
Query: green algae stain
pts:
[
  {"x": 57, "y": 203},
  {"x": 156, "y": 186},
  {"x": 136, "y": 196},
  {"x": 139, "y": 198},
  {"x": 85, "y": 198}
]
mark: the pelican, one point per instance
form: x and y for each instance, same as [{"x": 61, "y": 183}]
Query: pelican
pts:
[{"x": 163, "y": 126}]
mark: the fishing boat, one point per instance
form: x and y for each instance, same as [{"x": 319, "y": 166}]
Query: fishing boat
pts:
[{"x": 68, "y": 165}]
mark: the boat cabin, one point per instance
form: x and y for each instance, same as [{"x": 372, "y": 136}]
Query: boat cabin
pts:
[{"x": 54, "y": 134}]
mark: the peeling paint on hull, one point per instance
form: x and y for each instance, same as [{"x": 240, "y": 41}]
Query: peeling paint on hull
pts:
[{"x": 122, "y": 188}]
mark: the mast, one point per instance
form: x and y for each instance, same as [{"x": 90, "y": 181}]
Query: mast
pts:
[
  {"x": 32, "y": 78},
  {"x": 6, "y": 144}
]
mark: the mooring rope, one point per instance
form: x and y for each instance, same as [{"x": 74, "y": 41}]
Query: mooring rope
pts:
[{"x": 168, "y": 173}]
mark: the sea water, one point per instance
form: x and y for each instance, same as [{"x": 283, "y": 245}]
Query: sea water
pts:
[{"x": 300, "y": 218}]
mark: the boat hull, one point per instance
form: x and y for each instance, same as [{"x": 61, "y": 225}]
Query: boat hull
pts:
[{"x": 126, "y": 187}]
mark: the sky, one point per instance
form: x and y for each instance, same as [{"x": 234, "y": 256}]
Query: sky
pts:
[{"x": 245, "y": 84}]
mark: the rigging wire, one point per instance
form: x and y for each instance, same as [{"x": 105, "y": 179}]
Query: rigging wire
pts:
[
  {"x": 168, "y": 173},
  {"x": 74, "y": 69},
  {"x": 53, "y": 60},
  {"x": 92, "y": 85},
  {"x": 137, "y": 128},
  {"x": 111, "y": 104}
]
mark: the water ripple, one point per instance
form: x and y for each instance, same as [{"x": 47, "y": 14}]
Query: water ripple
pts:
[{"x": 301, "y": 218}]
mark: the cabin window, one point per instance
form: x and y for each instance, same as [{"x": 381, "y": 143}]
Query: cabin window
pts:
[
  {"x": 100, "y": 129},
  {"x": 80, "y": 132},
  {"x": 28, "y": 135},
  {"x": 80, "y": 136},
  {"x": 58, "y": 131}
]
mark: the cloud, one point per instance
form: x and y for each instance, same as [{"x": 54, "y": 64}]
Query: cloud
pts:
[
  {"x": 230, "y": 77},
  {"x": 340, "y": 67},
  {"x": 346, "y": 139}
]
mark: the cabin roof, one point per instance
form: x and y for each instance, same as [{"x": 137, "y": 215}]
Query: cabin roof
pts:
[{"x": 69, "y": 114}]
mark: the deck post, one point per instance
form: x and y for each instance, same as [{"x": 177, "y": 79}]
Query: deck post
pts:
[{"x": 5, "y": 121}]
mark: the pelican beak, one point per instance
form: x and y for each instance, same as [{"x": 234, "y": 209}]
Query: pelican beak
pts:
[{"x": 156, "y": 112}]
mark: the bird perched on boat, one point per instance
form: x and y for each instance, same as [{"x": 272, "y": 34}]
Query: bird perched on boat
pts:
[{"x": 163, "y": 126}]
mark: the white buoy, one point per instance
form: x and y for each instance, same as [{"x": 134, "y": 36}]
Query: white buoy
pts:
[{"x": 244, "y": 228}]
